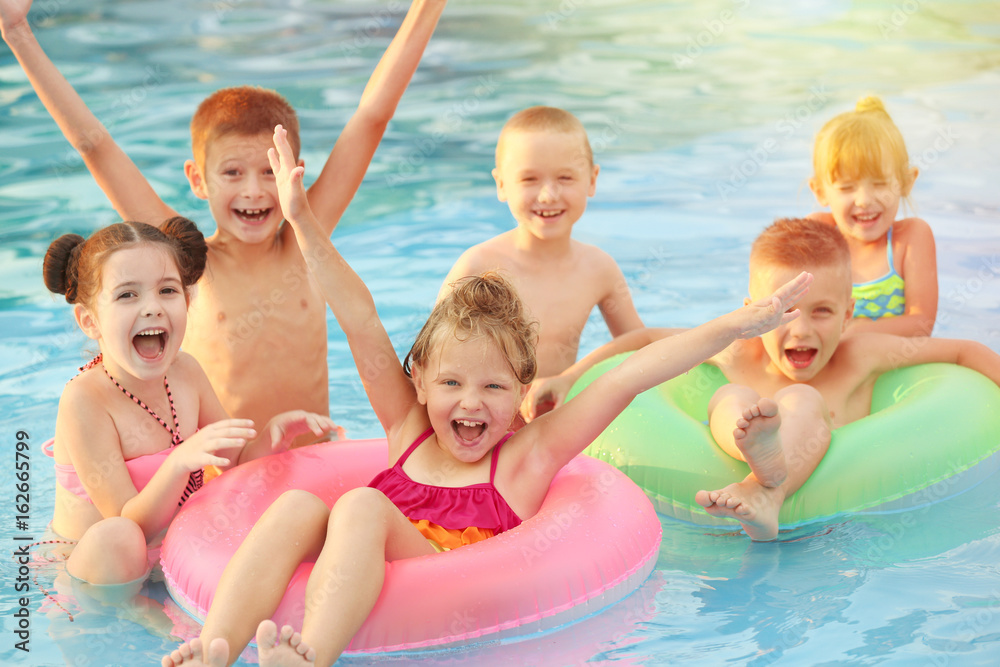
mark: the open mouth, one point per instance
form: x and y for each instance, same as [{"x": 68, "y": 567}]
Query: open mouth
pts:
[
  {"x": 548, "y": 214},
  {"x": 252, "y": 214},
  {"x": 150, "y": 344},
  {"x": 468, "y": 430},
  {"x": 801, "y": 357},
  {"x": 867, "y": 218}
]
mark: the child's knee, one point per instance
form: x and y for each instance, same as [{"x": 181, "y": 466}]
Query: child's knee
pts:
[
  {"x": 363, "y": 505},
  {"x": 299, "y": 505},
  {"x": 112, "y": 551},
  {"x": 738, "y": 394},
  {"x": 800, "y": 397}
]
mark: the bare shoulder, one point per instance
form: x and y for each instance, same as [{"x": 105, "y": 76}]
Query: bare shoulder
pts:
[
  {"x": 821, "y": 216},
  {"x": 913, "y": 230},
  {"x": 494, "y": 253}
]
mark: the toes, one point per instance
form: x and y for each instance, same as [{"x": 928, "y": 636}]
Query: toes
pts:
[
  {"x": 218, "y": 653},
  {"x": 267, "y": 634}
]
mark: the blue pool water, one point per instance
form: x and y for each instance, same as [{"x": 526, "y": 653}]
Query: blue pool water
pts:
[{"x": 701, "y": 116}]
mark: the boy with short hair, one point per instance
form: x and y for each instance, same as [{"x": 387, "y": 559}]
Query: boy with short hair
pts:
[
  {"x": 258, "y": 322},
  {"x": 545, "y": 172},
  {"x": 791, "y": 386}
]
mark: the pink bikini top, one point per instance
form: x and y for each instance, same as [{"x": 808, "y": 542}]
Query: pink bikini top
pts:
[
  {"x": 141, "y": 469},
  {"x": 478, "y": 505}
]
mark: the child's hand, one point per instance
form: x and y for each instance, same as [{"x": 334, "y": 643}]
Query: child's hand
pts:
[
  {"x": 766, "y": 314},
  {"x": 287, "y": 426},
  {"x": 545, "y": 395},
  {"x": 13, "y": 13},
  {"x": 287, "y": 176},
  {"x": 199, "y": 450}
]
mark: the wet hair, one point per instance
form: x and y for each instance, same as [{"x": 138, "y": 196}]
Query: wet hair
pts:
[
  {"x": 486, "y": 305},
  {"x": 244, "y": 111},
  {"x": 799, "y": 243},
  {"x": 72, "y": 265},
  {"x": 860, "y": 144},
  {"x": 544, "y": 119}
]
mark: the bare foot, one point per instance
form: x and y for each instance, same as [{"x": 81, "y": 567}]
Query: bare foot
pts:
[
  {"x": 756, "y": 435},
  {"x": 755, "y": 506},
  {"x": 290, "y": 651},
  {"x": 192, "y": 654}
]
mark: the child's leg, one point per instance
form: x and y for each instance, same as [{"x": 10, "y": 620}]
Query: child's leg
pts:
[
  {"x": 763, "y": 451},
  {"x": 291, "y": 530},
  {"x": 365, "y": 530},
  {"x": 801, "y": 425},
  {"x": 112, "y": 551}
]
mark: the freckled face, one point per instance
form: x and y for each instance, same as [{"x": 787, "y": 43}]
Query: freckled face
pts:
[
  {"x": 471, "y": 395},
  {"x": 801, "y": 348},
  {"x": 239, "y": 186}
]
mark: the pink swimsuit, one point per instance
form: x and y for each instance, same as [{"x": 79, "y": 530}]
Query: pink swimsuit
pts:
[
  {"x": 452, "y": 508},
  {"x": 142, "y": 468}
]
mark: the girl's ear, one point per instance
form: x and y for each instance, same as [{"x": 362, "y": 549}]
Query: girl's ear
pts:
[
  {"x": 417, "y": 375},
  {"x": 817, "y": 189},
  {"x": 911, "y": 178},
  {"x": 196, "y": 179},
  {"x": 86, "y": 321}
]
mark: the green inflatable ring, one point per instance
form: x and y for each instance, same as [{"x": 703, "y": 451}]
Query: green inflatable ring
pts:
[{"x": 934, "y": 431}]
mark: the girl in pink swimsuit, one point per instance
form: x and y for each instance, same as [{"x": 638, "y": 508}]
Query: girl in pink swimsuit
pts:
[
  {"x": 124, "y": 463},
  {"x": 456, "y": 472}
]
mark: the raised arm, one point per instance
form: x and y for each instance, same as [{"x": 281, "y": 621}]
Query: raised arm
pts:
[
  {"x": 130, "y": 193},
  {"x": 553, "y": 390},
  {"x": 389, "y": 389},
  {"x": 345, "y": 168},
  {"x": 563, "y": 433}
]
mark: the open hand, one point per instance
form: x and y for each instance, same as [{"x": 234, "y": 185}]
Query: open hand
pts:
[
  {"x": 287, "y": 426},
  {"x": 287, "y": 176},
  {"x": 545, "y": 395},
  {"x": 199, "y": 450},
  {"x": 773, "y": 311}
]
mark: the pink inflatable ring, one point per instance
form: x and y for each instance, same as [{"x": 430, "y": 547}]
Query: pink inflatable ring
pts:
[{"x": 594, "y": 541}]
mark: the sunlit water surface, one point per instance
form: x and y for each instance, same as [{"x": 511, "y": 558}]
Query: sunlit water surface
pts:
[{"x": 702, "y": 117}]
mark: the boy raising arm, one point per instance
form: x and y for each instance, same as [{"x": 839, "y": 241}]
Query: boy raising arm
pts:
[{"x": 256, "y": 293}]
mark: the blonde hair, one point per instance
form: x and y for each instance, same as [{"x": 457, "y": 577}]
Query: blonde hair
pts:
[
  {"x": 243, "y": 111},
  {"x": 486, "y": 305},
  {"x": 859, "y": 144},
  {"x": 544, "y": 119}
]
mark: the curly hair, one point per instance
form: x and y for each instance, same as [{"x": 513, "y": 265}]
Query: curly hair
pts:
[
  {"x": 73, "y": 265},
  {"x": 486, "y": 305}
]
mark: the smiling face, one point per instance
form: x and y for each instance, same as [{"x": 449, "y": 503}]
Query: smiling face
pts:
[
  {"x": 237, "y": 181},
  {"x": 471, "y": 395},
  {"x": 140, "y": 313},
  {"x": 863, "y": 206},
  {"x": 545, "y": 177},
  {"x": 801, "y": 348}
]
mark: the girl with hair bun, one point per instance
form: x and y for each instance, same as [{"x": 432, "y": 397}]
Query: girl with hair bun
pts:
[
  {"x": 139, "y": 423},
  {"x": 861, "y": 170},
  {"x": 457, "y": 473}
]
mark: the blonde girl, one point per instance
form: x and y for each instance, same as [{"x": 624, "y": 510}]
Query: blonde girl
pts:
[
  {"x": 861, "y": 170},
  {"x": 457, "y": 473},
  {"x": 138, "y": 424}
]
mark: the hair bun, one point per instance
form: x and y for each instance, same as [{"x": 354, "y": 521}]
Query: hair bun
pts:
[
  {"x": 59, "y": 268},
  {"x": 193, "y": 246},
  {"x": 870, "y": 103}
]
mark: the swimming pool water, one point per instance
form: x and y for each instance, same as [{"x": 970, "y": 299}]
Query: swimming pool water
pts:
[{"x": 701, "y": 116}]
